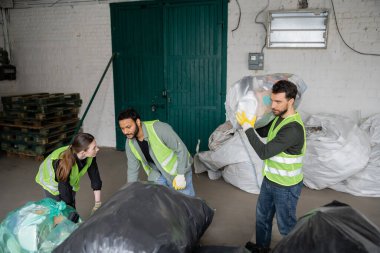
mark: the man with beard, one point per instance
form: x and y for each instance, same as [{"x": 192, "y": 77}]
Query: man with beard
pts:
[
  {"x": 158, "y": 149},
  {"x": 282, "y": 155}
]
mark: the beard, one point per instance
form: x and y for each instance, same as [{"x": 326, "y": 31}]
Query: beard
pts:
[
  {"x": 279, "y": 113},
  {"x": 131, "y": 136}
]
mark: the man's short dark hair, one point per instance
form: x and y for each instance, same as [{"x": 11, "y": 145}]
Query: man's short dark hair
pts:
[
  {"x": 288, "y": 87},
  {"x": 129, "y": 113}
]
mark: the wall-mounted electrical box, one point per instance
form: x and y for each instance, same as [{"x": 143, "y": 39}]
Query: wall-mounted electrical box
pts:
[
  {"x": 255, "y": 61},
  {"x": 7, "y": 72},
  {"x": 304, "y": 28}
]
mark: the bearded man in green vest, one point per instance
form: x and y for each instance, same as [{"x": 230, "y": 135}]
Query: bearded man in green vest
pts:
[
  {"x": 282, "y": 155},
  {"x": 154, "y": 146}
]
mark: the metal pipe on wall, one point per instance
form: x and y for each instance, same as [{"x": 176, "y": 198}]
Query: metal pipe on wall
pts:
[{"x": 5, "y": 32}]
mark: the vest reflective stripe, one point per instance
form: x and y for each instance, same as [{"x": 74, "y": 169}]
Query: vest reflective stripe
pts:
[
  {"x": 146, "y": 167},
  {"x": 286, "y": 160},
  {"x": 164, "y": 155},
  {"x": 52, "y": 185},
  {"x": 167, "y": 161},
  {"x": 283, "y": 168},
  {"x": 46, "y": 175},
  {"x": 283, "y": 173},
  {"x": 174, "y": 169}
]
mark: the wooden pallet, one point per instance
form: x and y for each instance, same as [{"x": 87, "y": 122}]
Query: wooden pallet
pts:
[
  {"x": 16, "y": 98},
  {"x": 37, "y": 115},
  {"x": 41, "y": 102},
  {"x": 28, "y": 138},
  {"x": 43, "y": 108},
  {"x": 36, "y": 123},
  {"x": 39, "y": 158},
  {"x": 46, "y": 130},
  {"x": 33, "y": 149},
  {"x": 33, "y": 125},
  {"x": 34, "y": 98}
]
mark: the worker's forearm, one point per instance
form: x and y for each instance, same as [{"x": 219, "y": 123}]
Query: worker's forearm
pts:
[
  {"x": 97, "y": 196},
  {"x": 257, "y": 144}
]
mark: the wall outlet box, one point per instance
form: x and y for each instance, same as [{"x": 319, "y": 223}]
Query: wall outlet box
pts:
[{"x": 255, "y": 61}]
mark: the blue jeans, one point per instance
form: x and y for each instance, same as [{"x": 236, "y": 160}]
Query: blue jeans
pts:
[
  {"x": 278, "y": 200},
  {"x": 189, "y": 190}
]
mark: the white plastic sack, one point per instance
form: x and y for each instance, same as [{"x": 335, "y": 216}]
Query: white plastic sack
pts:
[
  {"x": 241, "y": 176},
  {"x": 220, "y": 135},
  {"x": 372, "y": 126},
  {"x": 261, "y": 86},
  {"x": 242, "y": 167},
  {"x": 232, "y": 151},
  {"x": 338, "y": 150},
  {"x": 366, "y": 182}
]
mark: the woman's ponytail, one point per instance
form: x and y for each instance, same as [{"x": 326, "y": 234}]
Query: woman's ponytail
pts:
[{"x": 67, "y": 160}]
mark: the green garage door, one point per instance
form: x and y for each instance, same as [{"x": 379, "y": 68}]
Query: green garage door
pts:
[{"x": 171, "y": 64}]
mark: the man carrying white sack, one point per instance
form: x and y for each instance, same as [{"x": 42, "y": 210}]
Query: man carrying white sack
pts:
[{"x": 282, "y": 155}]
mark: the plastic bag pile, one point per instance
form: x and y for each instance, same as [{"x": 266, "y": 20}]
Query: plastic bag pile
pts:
[
  {"x": 336, "y": 150},
  {"x": 366, "y": 182},
  {"x": 231, "y": 154},
  {"x": 342, "y": 156},
  {"x": 32, "y": 227},
  {"x": 142, "y": 218}
]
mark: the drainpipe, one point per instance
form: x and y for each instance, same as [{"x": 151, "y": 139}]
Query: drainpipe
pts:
[{"x": 5, "y": 32}]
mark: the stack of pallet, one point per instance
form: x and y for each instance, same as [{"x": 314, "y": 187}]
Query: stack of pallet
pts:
[{"x": 36, "y": 124}]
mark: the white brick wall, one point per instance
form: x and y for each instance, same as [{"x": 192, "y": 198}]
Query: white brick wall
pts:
[
  {"x": 339, "y": 80},
  {"x": 66, "y": 48}
]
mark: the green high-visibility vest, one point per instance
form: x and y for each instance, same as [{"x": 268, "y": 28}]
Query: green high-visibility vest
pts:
[
  {"x": 164, "y": 155},
  {"x": 46, "y": 175},
  {"x": 285, "y": 169}
]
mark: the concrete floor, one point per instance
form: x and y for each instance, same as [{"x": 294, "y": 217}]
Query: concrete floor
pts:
[{"x": 234, "y": 218}]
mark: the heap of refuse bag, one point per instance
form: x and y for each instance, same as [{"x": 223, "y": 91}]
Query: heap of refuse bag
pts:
[
  {"x": 242, "y": 169},
  {"x": 142, "y": 217},
  {"x": 340, "y": 153}
]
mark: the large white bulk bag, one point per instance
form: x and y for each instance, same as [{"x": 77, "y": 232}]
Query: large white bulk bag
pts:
[{"x": 338, "y": 150}]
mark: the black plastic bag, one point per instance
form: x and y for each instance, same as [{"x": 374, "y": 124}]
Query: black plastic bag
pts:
[
  {"x": 220, "y": 249},
  {"x": 142, "y": 217},
  {"x": 336, "y": 227}
]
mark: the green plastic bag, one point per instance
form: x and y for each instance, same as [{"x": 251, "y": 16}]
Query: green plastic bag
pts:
[{"x": 32, "y": 227}]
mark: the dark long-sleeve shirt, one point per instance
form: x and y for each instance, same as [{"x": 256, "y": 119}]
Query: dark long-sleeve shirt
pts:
[
  {"x": 65, "y": 189},
  {"x": 289, "y": 139}
]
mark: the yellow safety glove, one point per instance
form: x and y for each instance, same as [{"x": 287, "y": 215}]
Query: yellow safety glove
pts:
[
  {"x": 246, "y": 123},
  {"x": 96, "y": 207},
  {"x": 179, "y": 182}
]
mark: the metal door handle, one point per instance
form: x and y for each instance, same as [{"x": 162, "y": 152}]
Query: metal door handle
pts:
[{"x": 154, "y": 107}]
